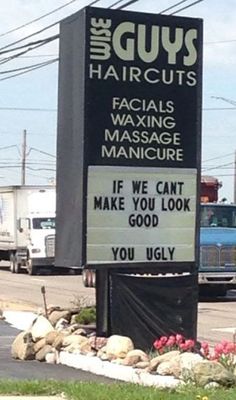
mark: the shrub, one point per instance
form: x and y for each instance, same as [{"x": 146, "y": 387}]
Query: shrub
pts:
[{"x": 86, "y": 316}]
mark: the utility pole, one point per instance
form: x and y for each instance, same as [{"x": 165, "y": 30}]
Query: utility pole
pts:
[{"x": 23, "y": 158}]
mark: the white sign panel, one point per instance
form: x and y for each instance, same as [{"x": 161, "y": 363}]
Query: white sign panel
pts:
[{"x": 137, "y": 215}]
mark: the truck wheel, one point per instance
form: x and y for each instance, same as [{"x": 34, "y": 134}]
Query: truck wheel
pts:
[
  {"x": 85, "y": 277},
  {"x": 32, "y": 269},
  {"x": 17, "y": 264},
  {"x": 12, "y": 263},
  {"x": 93, "y": 279}
]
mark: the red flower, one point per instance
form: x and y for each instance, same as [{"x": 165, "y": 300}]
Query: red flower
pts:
[
  {"x": 171, "y": 341},
  {"x": 205, "y": 346},
  {"x": 163, "y": 340},
  {"x": 205, "y": 349},
  {"x": 183, "y": 346},
  {"x": 219, "y": 348},
  {"x": 157, "y": 344},
  {"x": 190, "y": 343},
  {"x": 179, "y": 338}
]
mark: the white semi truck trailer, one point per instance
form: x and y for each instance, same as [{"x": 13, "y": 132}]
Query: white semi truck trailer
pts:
[{"x": 27, "y": 227}]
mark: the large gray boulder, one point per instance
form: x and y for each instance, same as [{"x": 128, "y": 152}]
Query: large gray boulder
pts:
[
  {"x": 211, "y": 371},
  {"x": 23, "y": 346}
]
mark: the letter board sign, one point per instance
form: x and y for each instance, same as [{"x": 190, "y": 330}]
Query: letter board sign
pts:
[{"x": 129, "y": 138}]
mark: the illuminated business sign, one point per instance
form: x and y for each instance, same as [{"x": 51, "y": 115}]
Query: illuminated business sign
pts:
[{"x": 139, "y": 123}]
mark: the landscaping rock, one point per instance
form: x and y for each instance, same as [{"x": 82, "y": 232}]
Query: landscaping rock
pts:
[
  {"x": 142, "y": 364},
  {"x": 39, "y": 344},
  {"x": 62, "y": 324},
  {"x": 51, "y": 358},
  {"x": 187, "y": 360},
  {"x": 58, "y": 342},
  {"x": 131, "y": 360},
  {"x": 74, "y": 343},
  {"x": 41, "y": 355},
  {"x": 163, "y": 357},
  {"x": 211, "y": 371},
  {"x": 23, "y": 346},
  {"x": 119, "y": 346},
  {"x": 97, "y": 342},
  {"x": 51, "y": 337},
  {"x": 139, "y": 353},
  {"x": 171, "y": 367},
  {"x": 56, "y": 315},
  {"x": 40, "y": 328}
]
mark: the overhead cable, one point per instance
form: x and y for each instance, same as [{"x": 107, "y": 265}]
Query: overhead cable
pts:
[
  {"x": 29, "y": 36},
  {"x": 7, "y": 59},
  {"x": 216, "y": 158},
  {"x": 46, "y": 63},
  {"x": 184, "y": 8},
  {"x": 8, "y": 71},
  {"x": 42, "y": 152},
  {"x": 126, "y": 4},
  {"x": 37, "y": 19},
  {"x": 48, "y": 39},
  {"x": 174, "y": 5},
  {"x": 217, "y": 167},
  {"x": 41, "y": 30},
  {"x": 28, "y": 109},
  {"x": 93, "y": 2},
  {"x": 114, "y": 4}
]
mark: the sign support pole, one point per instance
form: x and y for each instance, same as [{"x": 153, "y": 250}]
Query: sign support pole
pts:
[{"x": 102, "y": 302}]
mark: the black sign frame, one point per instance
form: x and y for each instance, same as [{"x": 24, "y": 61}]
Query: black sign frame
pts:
[{"x": 86, "y": 105}]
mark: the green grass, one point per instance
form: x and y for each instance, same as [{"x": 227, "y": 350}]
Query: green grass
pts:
[{"x": 97, "y": 391}]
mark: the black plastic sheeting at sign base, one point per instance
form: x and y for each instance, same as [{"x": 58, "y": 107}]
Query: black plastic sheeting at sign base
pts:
[{"x": 145, "y": 308}]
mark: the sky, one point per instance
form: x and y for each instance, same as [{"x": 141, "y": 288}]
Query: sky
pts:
[{"x": 28, "y": 102}]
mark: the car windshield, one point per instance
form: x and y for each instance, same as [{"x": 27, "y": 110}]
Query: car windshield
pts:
[
  {"x": 43, "y": 223},
  {"x": 218, "y": 216}
]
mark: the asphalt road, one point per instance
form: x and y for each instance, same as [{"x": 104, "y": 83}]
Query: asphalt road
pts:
[{"x": 16, "y": 369}]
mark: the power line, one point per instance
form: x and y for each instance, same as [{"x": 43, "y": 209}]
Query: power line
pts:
[
  {"x": 43, "y": 43},
  {"x": 8, "y": 71},
  {"x": 43, "y": 152},
  {"x": 28, "y": 109},
  {"x": 8, "y": 147},
  {"x": 184, "y": 8},
  {"x": 42, "y": 30},
  {"x": 37, "y": 19},
  {"x": 37, "y": 56},
  {"x": 218, "y": 166},
  {"x": 126, "y": 4},
  {"x": 174, "y": 5},
  {"x": 29, "y": 36},
  {"x": 41, "y": 169},
  {"x": 55, "y": 110},
  {"x": 49, "y": 39},
  {"x": 114, "y": 4},
  {"x": 221, "y": 41},
  {"x": 216, "y": 158},
  {"x": 218, "y": 108},
  {"x": 31, "y": 69}
]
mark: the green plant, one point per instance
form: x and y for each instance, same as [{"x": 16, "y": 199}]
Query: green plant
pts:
[{"x": 86, "y": 316}]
